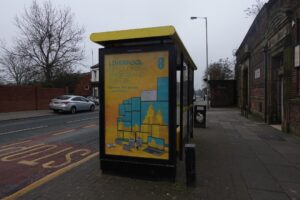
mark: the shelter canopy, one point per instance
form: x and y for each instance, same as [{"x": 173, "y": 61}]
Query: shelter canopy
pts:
[{"x": 143, "y": 36}]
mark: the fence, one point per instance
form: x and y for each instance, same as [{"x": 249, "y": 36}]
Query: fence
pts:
[{"x": 22, "y": 98}]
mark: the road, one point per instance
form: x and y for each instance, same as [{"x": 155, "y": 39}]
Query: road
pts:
[{"x": 40, "y": 148}]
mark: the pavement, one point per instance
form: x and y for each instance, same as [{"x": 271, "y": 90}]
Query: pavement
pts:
[
  {"x": 244, "y": 159},
  {"x": 24, "y": 114},
  {"x": 28, "y": 114},
  {"x": 236, "y": 159}
]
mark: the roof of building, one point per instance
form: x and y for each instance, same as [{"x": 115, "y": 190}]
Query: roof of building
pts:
[
  {"x": 263, "y": 11},
  {"x": 141, "y": 36}
]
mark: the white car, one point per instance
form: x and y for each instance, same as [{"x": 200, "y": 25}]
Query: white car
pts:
[{"x": 71, "y": 103}]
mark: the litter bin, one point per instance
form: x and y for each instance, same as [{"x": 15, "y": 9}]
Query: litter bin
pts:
[{"x": 199, "y": 116}]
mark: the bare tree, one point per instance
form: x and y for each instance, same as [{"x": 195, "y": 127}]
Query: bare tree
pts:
[
  {"x": 50, "y": 39},
  {"x": 255, "y": 8},
  {"x": 2, "y": 79},
  {"x": 16, "y": 68}
]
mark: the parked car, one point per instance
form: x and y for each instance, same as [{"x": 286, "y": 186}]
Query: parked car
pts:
[
  {"x": 93, "y": 99},
  {"x": 71, "y": 103}
]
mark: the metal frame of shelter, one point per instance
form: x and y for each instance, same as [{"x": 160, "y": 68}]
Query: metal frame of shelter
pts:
[{"x": 180, "y": 99}]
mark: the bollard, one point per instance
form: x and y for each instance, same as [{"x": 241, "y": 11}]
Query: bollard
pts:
[{"x": 190, "y": 164}]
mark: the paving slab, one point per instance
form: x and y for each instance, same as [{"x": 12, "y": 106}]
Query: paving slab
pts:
[
  {"x": 273, "y": 159},
  {"x": 226, "y": 125},
  {"x": 292, "y": 157},
  {"x": 292, "y": 189},
  {"x": 262, "y": 181},
  {"x": 285, "y": 173},
  {"x": 285, "y": 147},
  {"x": 267, "y": 195},
  {"x": 261, "y": 147},
  {"x": 240, "y": 187},
  {"x": 246, "y": 133}
]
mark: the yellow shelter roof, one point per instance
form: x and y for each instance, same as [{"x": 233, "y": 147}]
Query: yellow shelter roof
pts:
[{"x": 149, "y": 34}]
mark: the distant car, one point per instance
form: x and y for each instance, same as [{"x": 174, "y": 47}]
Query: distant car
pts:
[
  {"x": 93, "y": 99},
  {"x": 71, "y": 103}
]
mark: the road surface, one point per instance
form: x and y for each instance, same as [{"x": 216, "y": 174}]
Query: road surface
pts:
[{"x": 34, "y": 148}]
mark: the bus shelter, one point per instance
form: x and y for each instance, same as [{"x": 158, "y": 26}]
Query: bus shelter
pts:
[{"x": 146, "y": 90}]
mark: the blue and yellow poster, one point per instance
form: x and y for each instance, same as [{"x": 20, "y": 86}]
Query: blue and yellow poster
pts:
[{"x": 136, "y": 88}]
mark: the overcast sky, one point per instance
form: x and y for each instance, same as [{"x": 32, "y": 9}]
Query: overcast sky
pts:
[{"x": 227, "y": 23}]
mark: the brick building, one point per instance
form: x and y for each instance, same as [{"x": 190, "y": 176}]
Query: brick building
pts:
[
  {"x": 83, "y": 87},
  {"x": 267, "y": 69}
]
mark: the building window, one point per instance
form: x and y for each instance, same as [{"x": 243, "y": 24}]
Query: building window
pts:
[
  {"x": 298, "y": 30},
  {"x": 94, "y": 76},
  {"x": 95, "y": 92},
  {"x": 257, "y": 73}
]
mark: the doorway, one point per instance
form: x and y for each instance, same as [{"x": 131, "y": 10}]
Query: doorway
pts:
[
  {"x": 245, "y": 87},
  {"x": 277, "y": 90}
]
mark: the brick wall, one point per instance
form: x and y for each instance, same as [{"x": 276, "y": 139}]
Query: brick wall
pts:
[
  {"x": 257, "y": 100},
  {"x": 22, "y": 98},
  {"x": 83, "y": 88},
  {"x": 294, "y": 117},
  {"x": 44, "y": 95}
]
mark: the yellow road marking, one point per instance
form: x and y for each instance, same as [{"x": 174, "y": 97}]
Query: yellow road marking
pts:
[
  {"x": 48, "y": 178},
  {"x": 11, "y": 156},
  {"x": 68, "y": 159},
  {"x": 15, "y": 144},
  {"x": 19, "y": 149},
  {"x": 34, "y": 162},
  {"x": 11, "y": 150},
  {"x": 63, "y": 132}
]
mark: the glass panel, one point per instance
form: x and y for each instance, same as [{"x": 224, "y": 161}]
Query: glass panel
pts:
[
  {"x": 137, "y": 104},
  {"x": 185, "y": 103}
]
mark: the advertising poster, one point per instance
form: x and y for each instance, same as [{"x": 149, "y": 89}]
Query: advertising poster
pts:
[{"x": 136, "y": 89}]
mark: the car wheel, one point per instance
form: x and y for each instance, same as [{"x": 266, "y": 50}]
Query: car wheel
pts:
[
  {"x": 92, "y": 108},
  {"x": 56, "y": 111},
  {"x": 73, "y": 110}
]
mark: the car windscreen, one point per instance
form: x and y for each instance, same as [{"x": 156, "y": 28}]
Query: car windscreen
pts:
[{"x": 63, "y": 97}]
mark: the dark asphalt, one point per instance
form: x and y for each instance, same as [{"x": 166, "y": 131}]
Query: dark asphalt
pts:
[{"x": 15, "y": 130}]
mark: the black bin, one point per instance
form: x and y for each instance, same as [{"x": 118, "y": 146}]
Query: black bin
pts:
[
  {"x": 190, "y": 164},
  {"x": 199, "y": 116}
]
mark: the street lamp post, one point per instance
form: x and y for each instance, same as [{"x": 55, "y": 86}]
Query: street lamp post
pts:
[{"x": 207, "y": 75}]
